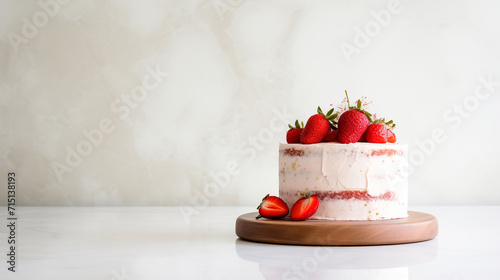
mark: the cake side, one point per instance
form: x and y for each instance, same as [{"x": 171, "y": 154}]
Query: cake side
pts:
[{"x": 356, "y": 181}]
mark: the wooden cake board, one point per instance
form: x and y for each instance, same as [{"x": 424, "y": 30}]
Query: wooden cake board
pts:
[{"x": 418, "y": 226}]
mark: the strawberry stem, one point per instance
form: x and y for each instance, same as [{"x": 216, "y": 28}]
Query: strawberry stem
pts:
[{"x": 348, "y": 104}]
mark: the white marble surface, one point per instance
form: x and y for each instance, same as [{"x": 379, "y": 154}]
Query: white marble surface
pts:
[
  {"x": 215, "y": 72},
  {"x": 158, "y": 243}
]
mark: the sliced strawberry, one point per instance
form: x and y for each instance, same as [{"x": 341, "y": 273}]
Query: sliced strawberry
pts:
[
  {"x": 380, "y": 131},
  {"x": 331, "y": 136},
  {"x": 391, "y": 137},
  {"x": 304, "y": 208},
  {"x": 272, "y": 207},
  {"x": 376, "y": 133}
]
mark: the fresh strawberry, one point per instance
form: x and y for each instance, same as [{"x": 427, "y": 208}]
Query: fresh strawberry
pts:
[
  {"x": 317, "y": 127},
  {"x": 272, "y": 207},
  {"x": 380, "y": 131},
  {"x": 376, "y": 133},
  {"x": 304, "y": 208},
  {"x": 362, "y": 138},
  {"x": 293, "y": 135},
  {"x": 331, "y": 136},
  {"x": 391, "y": 137},
  {"x": 353, "y": 123}
]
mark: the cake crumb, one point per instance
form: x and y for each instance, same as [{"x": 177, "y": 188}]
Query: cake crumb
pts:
[
  {"x": 307, "y": 189},
  {"x": 366, "y": 204},
  {"x": 376, "y": 214}
]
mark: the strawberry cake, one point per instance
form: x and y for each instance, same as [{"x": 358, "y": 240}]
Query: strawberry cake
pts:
[
  {"x": 357, "y": 181},
  {"x": 349, "y": 161}
]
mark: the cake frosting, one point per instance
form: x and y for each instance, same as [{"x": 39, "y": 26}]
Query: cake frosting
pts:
[{"x": 358, "y": 181}]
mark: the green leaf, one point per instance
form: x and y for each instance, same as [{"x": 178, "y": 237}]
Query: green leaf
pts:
[
  {"x": 329, "y": 112},
  {"x": 359, "y": 104},
  {"x": 320, "y": 111},
  {"x": 302, "y": 124},
  {"x": 291, "y": 127},
  {"x": 332, "y": 117},
  {"x": 297, "y": 123}
]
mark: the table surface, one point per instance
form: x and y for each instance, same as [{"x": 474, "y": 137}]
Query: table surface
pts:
[{"x": 173, "y": 243}]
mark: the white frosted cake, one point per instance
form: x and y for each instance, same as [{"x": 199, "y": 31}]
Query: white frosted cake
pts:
[{"x": 358, "y": 181}]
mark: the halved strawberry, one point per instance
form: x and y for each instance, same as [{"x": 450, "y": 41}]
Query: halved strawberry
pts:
[
  {"x": 293, "y": 135},
  {"x": 391, "y": 137},
  {"x": 376, "y": 133},
  {"x": 272, "y": 207},
  {"x": 304, "y": 208},
  {"x": 380, "y": 132}
]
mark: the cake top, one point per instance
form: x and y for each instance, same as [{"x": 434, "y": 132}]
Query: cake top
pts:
[{"x": 350, "y": 124}]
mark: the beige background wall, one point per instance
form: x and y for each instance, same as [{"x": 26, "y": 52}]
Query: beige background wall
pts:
[{"x": 185, "y": 102}]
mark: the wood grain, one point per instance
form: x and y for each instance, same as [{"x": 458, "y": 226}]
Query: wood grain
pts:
[{"x": 416, "y": 227}]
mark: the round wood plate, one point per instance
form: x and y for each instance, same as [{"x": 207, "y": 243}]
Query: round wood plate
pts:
[{"x": 416, "y": 227}]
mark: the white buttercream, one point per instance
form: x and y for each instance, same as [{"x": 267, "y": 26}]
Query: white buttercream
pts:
[{"x": 334, "y": 167}]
